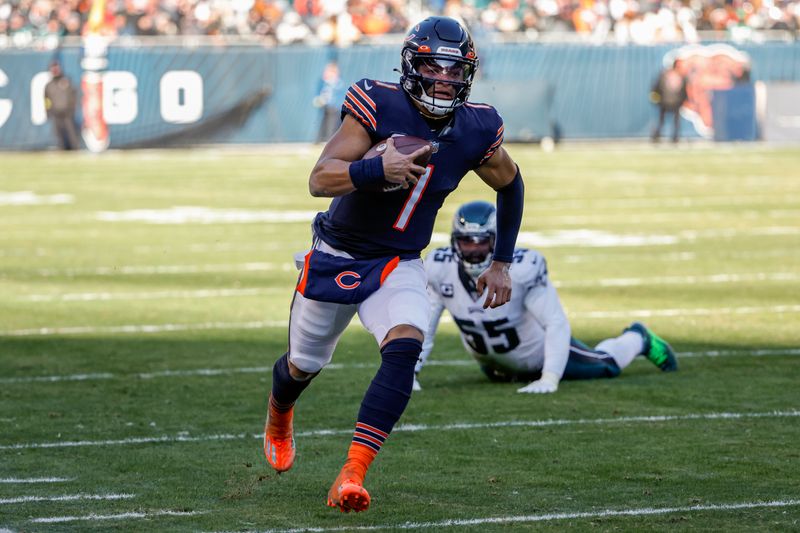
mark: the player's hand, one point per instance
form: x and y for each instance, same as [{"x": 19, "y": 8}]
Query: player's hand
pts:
[
  {"x": 496, "y": 282},
  {"x": 400, "y": 168},
  {"x": 547, "y": 384}
]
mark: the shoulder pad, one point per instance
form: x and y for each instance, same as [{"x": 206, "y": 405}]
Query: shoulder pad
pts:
[
  {"x": 443, "y": 255},
  {"x": 529, "y": 268},
  {"x": 437, "y": 261},
  {"x": 360, "y": 104},
  {"x": 491, "y": 127}
]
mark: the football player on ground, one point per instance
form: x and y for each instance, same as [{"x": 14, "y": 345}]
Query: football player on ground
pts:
[
  {"x": 528, "y": 339},
  {"x": 365, "y": 256}
]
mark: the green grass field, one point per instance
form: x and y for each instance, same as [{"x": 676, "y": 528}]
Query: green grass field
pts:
[{"x": 145, "y": 297}]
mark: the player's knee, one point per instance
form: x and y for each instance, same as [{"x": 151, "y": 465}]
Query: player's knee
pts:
[
  {"x": 403, "y": 331},
  {"x": 310, "y": 368}
]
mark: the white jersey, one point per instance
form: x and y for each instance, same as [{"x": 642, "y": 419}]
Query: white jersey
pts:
[{"x": 530, "y": 333}]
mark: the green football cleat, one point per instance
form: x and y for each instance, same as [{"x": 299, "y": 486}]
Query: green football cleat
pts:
[{"x": 655, "y": 349}]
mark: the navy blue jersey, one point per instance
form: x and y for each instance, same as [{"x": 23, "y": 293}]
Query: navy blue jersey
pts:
[{"x": 375, "y": 224}]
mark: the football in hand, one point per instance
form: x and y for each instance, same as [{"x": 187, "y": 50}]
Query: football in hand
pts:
[{"x": 405, "y": 144}]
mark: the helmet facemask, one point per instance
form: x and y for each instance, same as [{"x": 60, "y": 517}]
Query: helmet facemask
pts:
[
  {"x": 439, "y": 83},
  {"x": 473, "y": 236},
  {"x": 474, "y": 251}
]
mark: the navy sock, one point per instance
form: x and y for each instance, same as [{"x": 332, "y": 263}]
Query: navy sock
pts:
[
  {"x": 389, "y": 392},
  {"x": 286, "y": 389}
]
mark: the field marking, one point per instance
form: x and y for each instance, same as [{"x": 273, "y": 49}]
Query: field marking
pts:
[
  {"x": 644, "y": 313},
  {"x": 580, "y": 238},
  {"x": 66, "y": 498},
  {"x": 213, "y": 372},
  {"x": 37, "y": 480},
  {"x": 120, "y": 516},
  {"x": 206, "y": 215},
  {"x": 755, "y": 353},
  {"x": 225, "y": 293},
  {"x": 655, "y": 202},
  {"x": 186, "y": 437},
  {"x": 55, "y": 379},
  {"x": 161, "y": 328},
  {"x": 146, "y": 328},
  {"x": 32, "y": 198},
  {"x": 638, "y": 256},
  {"x": 205, "y": 372},
  {"x": 162, "y": 269},
  {"x": 607, "y": 513},
  {"x": 154, "y": 295},
  {"x": 588, "y": 238},
  {"x": 681, "y": 280}
]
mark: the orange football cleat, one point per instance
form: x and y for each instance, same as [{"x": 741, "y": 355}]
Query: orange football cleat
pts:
[
  {"x": 279, "y": 452},
  {"x": 278, "y": 440},
  {"x": 348, "y": 494}
]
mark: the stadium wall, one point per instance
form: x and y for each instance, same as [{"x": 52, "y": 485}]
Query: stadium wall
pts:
[{"x": 251, "y": 94}]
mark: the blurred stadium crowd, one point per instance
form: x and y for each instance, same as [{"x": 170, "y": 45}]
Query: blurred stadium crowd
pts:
[{"x": 43, "y": 23}]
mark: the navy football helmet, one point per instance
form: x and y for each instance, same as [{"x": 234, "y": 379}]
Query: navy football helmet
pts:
[
  {"x": 473, "y": 236},
  {"x": 438, "y": 52}
]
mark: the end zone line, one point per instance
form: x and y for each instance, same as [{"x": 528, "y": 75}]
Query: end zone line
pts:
[
  {"x": 66, "y": 498},
  {"x": 120, "y": 516},
  {"x": 607, "y": 513},
  {"x": 185, "y": 437}
]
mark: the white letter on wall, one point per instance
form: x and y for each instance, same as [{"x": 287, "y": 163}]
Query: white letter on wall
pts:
[
  {"x": 120, "y": 97},
  {"x": 6, "y": 105},
  {"x": 181, "y": 96}
]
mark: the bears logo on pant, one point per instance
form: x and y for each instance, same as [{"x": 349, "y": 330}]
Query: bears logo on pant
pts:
[{"x": 348, "y": 274}]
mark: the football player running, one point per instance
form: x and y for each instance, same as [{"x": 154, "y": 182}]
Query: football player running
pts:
[
  {"x": 529, "y": 338},
  {"x": 365, "y": 256}
]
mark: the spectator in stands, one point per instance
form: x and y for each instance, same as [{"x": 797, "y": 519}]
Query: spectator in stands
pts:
[
  {"x": 60, "y": 101},
  {"x": 329, "y": 99},
  {"x": 42, "y": 23},
  {"x": 669, "y": 94}
]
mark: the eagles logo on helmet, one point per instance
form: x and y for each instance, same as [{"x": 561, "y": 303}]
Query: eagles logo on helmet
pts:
[
  {"x": 439, "y": 62},
  {"x": 473, "y": 236}
]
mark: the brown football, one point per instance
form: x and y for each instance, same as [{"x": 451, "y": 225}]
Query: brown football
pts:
[{"x": 405, "y": 144}]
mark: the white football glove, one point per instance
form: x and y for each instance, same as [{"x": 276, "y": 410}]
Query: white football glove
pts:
[
  {"x": 548, "y": 383},
  {"x": 416, "y": 387}
]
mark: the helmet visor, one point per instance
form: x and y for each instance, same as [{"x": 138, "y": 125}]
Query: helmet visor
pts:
[
  {"x": 448, "y": 70},
  {"x": 474, "y": 248}
]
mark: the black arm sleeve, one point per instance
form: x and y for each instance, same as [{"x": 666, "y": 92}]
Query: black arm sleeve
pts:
[{"x": 510, "y": 202}]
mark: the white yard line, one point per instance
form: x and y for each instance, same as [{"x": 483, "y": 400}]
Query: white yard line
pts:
[
  {"x": 681, "y": 280},
  {"x": 644, "y": 313},
  {"x": 750, "y": 353},
  {"x": 549, "y": 517},
  {"x": 160, "y": 328},
  {"x": 225, "y": 293},
  {"x": 56, "y": 379},
  {"x": 185, "y": 437},
  {"x": 213, "y": 372},
  {"x": 36, "y": 480},
  {"x": 66, "y": 498},
  {"x": 145, "y": 328},
  {"x": 637, "y": 256},
  {"x": 154, "y": 295},
  {"x": 162, "y": 269},
  {"x": 121, "y": 516}
]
